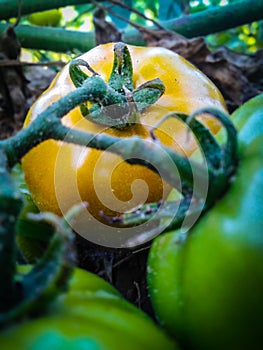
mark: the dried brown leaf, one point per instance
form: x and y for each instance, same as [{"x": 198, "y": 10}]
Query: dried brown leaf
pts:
[{"x": 238, "y": 76}]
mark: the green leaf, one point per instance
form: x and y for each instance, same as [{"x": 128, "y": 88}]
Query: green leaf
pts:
[{"x": 152, "y": 6}]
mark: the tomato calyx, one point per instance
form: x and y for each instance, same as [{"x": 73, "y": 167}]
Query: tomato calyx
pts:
[{"x": 120, "y": 106}]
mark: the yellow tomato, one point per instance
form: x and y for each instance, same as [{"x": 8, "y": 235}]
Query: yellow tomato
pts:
[{"x": 59, "y": 175}]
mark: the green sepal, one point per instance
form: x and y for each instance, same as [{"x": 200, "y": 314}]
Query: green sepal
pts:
[
  {"x": 77, "y": 75},
  {"x": 120, "y": 106},
  {"x": 122, "y": 71},
  {"x": 148, "y": 93}
]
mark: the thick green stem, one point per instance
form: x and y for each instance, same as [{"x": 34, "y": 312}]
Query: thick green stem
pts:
[
  {"x": 53, "y": 39},
  {"x": 10, "y": 206},
  {"x": 217, "y": 19},
  {"x": 206, "y": 22},
  {"x": 9, "y": 7},
  {"x": 138, "y": 151}
]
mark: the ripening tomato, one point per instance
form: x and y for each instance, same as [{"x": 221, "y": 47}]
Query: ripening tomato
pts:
[{"x": 59, "y": 175}]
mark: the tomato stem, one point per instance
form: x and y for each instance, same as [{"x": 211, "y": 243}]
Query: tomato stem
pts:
[
  {"x": 229, "y": 153},
  {"x": 10, "y": 206},
  {"x": 220, "y": 177},
  {"x": 220, "y": 161},
  {"x": 167, "y": 212},
  {"x": 33, "y": 291},
  {"x": 206, "y": 141}
]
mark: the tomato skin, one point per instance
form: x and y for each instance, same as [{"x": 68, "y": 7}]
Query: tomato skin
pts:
[
  {"x": 52, "y": 166},
  {"x": 213, "y": 280},
  {"x": 91, "y": 315}
]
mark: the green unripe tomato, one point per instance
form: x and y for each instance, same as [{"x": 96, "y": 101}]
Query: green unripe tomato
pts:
[
  {"x": 207, "y": 288},
  {"x": 90, "y": 316},
  {"x": 46, "y": 18}
]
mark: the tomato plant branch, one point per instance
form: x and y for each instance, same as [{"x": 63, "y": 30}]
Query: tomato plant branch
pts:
[
  {"x": 157, "y": 211},
  {"x": 54, "y": 39},
  {"x": 228, "y": 154},
  {"x": 222, "y": 162},
  {"x": 19, "y": 294},
  {"x": 217, "y": 19},
  {"x": 9, "y": 7},
  {"x": 10, "y": 206},
  {"x": 135, "y": 150},
  {"x": 51, "y": 273},
  {"x": 206, "y": 22}
]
